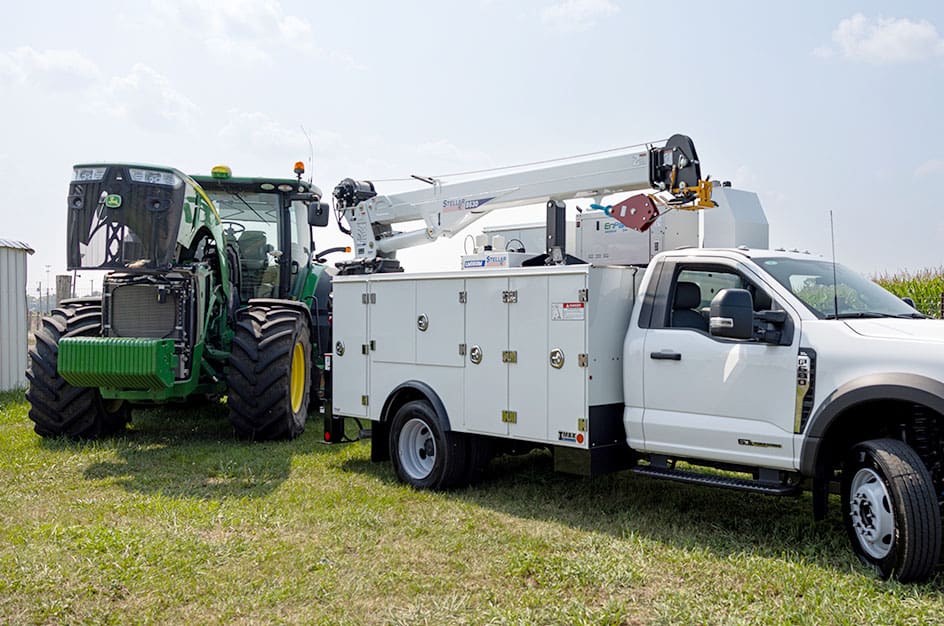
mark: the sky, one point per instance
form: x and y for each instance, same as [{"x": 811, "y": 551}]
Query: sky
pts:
[{"x": 816, "y": 106}]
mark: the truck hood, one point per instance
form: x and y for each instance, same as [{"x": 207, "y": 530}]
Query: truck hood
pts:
[{"x": 889, "y": 328}]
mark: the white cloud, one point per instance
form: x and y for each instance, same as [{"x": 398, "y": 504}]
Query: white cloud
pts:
[
  {"x": 745, "y": 178},
  {"x": 932, "y": 167},
  {"x": 143, "y": 96},
  {"x": 883, "y": 40},
  {"x": 571, "y": 16},
  {"x": 247, "y": 32},
  {"x": 447, "y": 153},
  {"x": 241, "y": 31},
  {"x": 259, "y": 132},
  {"x": 148, "y": 99},
  {"x": 57, "y": 68}
]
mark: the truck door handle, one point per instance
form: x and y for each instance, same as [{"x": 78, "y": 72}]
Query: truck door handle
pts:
[{"x": 665, "y": 356}]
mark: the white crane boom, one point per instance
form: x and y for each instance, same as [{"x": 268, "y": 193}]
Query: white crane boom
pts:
[{"x": 447, "y": 209}]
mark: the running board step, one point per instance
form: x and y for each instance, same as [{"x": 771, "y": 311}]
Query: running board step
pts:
[{"x": 710, "y": 480}]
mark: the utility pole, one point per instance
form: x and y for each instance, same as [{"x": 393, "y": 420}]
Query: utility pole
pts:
[{"x": 47, "y": 288}]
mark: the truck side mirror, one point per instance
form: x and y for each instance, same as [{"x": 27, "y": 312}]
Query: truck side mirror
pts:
[
  {"x": 319, "y": 213},
  {"x": 732, "y": 314},
  {"x": 910, "y": 302}
]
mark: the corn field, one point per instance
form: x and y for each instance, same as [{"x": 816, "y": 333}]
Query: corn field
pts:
[{"x": 925, "y": 287}]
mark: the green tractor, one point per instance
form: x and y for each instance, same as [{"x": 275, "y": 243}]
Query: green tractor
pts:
[{"x": 212, "y": 289}]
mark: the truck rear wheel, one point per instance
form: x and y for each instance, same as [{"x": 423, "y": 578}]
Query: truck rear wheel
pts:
[
  {"x": 423, "y": 454},
  {"x": 891, "y": 511},
  {"x": 269, "y": 373},
  {"x": 56, "y": 407}
]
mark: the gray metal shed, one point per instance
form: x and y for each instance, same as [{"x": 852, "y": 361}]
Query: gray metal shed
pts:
[{"x": 13, "y": 320}]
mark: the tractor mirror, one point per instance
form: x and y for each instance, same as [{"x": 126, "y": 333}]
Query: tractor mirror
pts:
[{"x": 319, "y": 213}]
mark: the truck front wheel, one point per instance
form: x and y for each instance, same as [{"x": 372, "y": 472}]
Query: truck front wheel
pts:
[
  {"x": 423, "y": 454},
  {"x": 890, "y": 510}
]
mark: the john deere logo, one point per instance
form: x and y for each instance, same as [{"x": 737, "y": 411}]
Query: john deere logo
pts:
[{"x": 113, "y": 201}]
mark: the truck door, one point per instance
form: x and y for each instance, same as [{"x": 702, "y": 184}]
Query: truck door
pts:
[{"x": 714, "y": 398}]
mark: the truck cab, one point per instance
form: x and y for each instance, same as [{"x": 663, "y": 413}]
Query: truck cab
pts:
[
  {"x": 822, "y": 379},
  {"x": 756, "y": 399}
]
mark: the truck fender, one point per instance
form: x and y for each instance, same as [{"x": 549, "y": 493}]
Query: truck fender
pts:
[
  {"x": 415, "y": 390},
  {"x": 911, "y": 388}
]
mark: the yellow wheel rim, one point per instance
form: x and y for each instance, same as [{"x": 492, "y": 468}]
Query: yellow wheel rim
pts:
[{"x": 298, "y": 377}]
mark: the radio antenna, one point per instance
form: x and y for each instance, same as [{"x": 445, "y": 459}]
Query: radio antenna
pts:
[
  {"x": 311, "y": 155},
  {"x": 832, "y": 238}
]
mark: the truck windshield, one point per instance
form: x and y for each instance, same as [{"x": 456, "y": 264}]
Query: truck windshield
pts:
[{"x": 849, "y": 296}]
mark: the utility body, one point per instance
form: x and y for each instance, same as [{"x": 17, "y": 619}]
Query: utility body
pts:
[{"x": 787, "y": 371}]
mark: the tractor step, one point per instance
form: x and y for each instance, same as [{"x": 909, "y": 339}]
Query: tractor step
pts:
[{"x": 711, "y": 480}]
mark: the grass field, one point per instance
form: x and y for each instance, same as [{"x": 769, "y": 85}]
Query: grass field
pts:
[{"x": 178, "y": 522}]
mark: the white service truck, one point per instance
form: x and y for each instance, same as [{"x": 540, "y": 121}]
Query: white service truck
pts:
[{"x": 788, "y": 371}]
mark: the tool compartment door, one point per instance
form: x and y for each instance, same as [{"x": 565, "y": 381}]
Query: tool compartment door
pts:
[
  {"x": 349, "y": 362},
  {"x": 567, "y": 313},
  {"x": 527, "y": 377},
  {"x": 440, "y": 322},
  {"x": 486, "y": 382},
  {"x": 392, "y": 321}
]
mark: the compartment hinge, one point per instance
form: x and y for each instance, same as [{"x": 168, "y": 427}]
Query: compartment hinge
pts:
[
  {"x": 509, "y": 356},
  {"x": 463, "y": 297},
  {"x": 510, "y": 297},
  {"x": 582, "y": 360},
  {"x": 510, "y": 417},
  {"x": 583, "y": 295}
]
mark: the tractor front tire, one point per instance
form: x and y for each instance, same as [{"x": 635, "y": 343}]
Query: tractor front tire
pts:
[
  {"x": 269, "y": 373},
  {"x": 56, "y": 407}
]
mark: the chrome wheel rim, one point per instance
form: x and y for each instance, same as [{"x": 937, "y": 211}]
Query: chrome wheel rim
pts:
[
  {"x": 417, "y": 448},
  {"x": 870, "y": 507}
]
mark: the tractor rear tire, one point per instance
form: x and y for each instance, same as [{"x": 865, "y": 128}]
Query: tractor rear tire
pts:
[
  {"x": 56, "y": 407},
  {"x": 268, "y": 373}
]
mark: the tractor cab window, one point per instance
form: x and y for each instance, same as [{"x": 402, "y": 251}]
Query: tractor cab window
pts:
[
  {"x": 250, "y": 225},
  {"x": 301, "y": 234}
]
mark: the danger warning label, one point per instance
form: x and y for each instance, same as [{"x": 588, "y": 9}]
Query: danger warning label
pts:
[{"x": 564, "y": 311}]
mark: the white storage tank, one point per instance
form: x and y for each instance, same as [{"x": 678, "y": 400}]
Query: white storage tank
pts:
[{"x": 13, "y": 319}]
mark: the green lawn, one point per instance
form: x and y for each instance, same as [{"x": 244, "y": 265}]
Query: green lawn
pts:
[{"x": 178, "y": 522}]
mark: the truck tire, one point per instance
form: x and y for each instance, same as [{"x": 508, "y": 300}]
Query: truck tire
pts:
[
  {"x": 268, "y": 373},
  {"x": 891, "y": 511},
  {"x": 56, "y": 407},
  {"x": 423, "y": 454}
]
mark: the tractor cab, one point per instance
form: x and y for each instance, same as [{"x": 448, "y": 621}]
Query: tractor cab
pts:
[{"x": 266, "y": 226}]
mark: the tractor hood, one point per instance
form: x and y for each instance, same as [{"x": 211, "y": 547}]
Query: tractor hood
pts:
[
  {"x": 126, "y": 216},
  {"x": 924, "y": 330}
]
